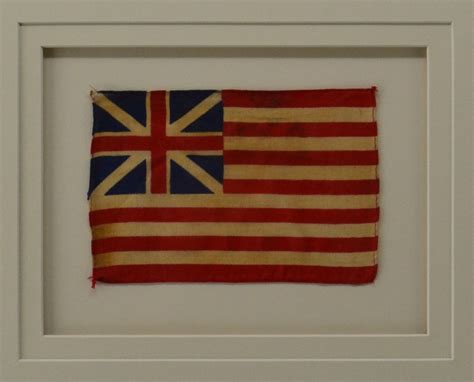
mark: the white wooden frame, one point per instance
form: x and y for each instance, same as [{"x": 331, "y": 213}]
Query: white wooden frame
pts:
[{"x": 443, "y": 353}]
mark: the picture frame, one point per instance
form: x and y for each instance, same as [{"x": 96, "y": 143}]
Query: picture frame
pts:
[{"x": 441, "y": 28}]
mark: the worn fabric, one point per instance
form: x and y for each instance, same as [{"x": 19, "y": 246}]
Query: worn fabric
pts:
[{"x": 234, "y": 186}]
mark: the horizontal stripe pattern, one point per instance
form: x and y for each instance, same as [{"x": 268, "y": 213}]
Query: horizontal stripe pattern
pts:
[
  {"x": 266, "y": 160},
  {"x": 299, "y": 98},
  {"x": 319, "y": 114},
  {"x": 233, "y": 243},
  {"x": 233, "y": 201},
  {"x": 299, "y": 201},
  {"x": 355, "y": 259},
  {"x": 231, "y": 229},
  {"x": 242, "y": 215},
  {"x": 293, "y": 129},
  {"x": 141, "y": 273},
  {"x": 298, "y": 144},
  {"x": 300, "y": 172},
  {"x": 302, "y": 158},
  {"x": 302, "y": 187}
]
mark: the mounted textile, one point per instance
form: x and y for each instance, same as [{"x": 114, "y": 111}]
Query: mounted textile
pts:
[{"x": 234, "y": 186}]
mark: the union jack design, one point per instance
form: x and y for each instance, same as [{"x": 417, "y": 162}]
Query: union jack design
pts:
[
  {"x": 234, "y": 186},
  {"x": 157, "y": 142}
]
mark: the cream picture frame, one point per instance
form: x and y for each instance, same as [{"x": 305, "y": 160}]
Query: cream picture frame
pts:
[{"x": 441, "y": 28}]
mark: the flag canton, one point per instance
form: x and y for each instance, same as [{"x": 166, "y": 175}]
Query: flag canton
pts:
[{"x": 157, "y": 142}]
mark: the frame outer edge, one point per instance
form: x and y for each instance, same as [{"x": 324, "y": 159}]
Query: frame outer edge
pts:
[
  {"x": 463, "y": 304},
  {"x": 233, "y": 11},
  {"x": 10, "y": 189}
]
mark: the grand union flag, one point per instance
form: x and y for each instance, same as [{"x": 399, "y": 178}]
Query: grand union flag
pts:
[{"x": 234, "y": 186}]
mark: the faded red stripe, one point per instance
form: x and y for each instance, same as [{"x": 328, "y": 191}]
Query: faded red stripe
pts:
[
  {"x": 234, "y": 273},
  {"x": 129, "y": 143},
  {"x": 203, "y": 214},
  {"x": 293, "y": 129},
  {"x": 301, "y": 158},
  {"x": 194, "y": 143},
  {"x": 302, "y": 187},
  {"x": 299, "y": 98},
  {"x": 233, "y": 243}
]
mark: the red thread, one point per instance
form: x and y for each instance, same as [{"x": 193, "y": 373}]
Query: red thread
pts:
[{"x": 93, "y": 281}]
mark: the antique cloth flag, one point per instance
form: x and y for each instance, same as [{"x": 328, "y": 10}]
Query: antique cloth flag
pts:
[{"x": 234, "y": 186}]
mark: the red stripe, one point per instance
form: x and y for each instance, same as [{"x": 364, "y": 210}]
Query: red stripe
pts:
[
  {"x": 158, "y": 132},
  {"x": 129, "y": 143},
  {"x": 281, "y": 129},
  {"x": 299, "y": 98},
  {"x": 301, "y": 187},
  {"x": 233, "y": 243},
  {"x": 301, "y": 158},
  {"x": 234, "y": 273},
  {"x": 194, "y": 143},
  {"x": 203, "y": 214}
]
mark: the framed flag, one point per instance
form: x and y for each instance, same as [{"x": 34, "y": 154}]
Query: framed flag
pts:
[
  {"x": 351, "y": 271},
  {"x": 234, "y": 186}
]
